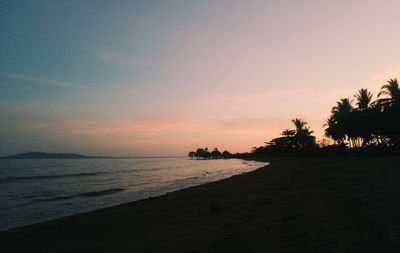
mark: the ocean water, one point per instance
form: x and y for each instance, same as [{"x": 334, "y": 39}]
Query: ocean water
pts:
[{"x": 37, "y": 190}]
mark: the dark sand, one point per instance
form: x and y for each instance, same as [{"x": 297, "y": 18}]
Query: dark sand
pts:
[{"x": 296, "y": 205}]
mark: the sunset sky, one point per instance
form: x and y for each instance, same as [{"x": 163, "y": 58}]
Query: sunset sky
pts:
[{"x": 160, "y": 78}]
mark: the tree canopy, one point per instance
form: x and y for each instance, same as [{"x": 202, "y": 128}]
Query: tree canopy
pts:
[
  {"x": 358, "y": 123},
  {"x": 371, "y": 123},
  {"x": 203, "y": 153}
]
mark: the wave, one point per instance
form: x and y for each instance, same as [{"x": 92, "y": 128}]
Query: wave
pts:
[
  {"x": 184, "y": 180},
  {"x": 72, "y": 175},
  {"x": 41, "y": 177},
  {"x": 101, "y": 193},
  {"x": 61, "y": 198},
  {"x": 84, "y": 194}
]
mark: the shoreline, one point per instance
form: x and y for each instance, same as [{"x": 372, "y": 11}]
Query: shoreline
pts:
[
  {"x": 312, "y": 204},
  {"x": 160, "y": 191}
]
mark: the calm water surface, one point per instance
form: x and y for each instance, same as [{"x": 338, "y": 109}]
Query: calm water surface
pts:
[{"x": 42, "y": 189}]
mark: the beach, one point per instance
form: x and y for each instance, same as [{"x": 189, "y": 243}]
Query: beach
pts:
[
  {"x": 291, "y": 205},
  {"x": 39, "y": 190}
]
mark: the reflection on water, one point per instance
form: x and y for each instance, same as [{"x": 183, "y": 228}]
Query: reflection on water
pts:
[{"x": 36, "y": 190}]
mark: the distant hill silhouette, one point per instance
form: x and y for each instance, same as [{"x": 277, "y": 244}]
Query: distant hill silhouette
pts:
[{"x": 43, "y": 155}]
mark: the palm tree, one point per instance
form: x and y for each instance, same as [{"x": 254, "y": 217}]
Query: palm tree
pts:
[
  {"x": 364, "y": 98},
  {"x": 288, "y": 133},
  {"x": 341, "y": 118},
  {"x": 299, "y": 123},
  {"x": 360, "y": 118},
  {"x": 302, "y": 137},
  {"x": 206, "y": 154},
  {"x": 390, "y": 107},
  {"x": 215, "y": 154},
  {"x": 199, "y": 153},
  {"x": 392, "y": 90},
  {"x": 342, "y": 107},
  {"x": 333, "y": 131}
]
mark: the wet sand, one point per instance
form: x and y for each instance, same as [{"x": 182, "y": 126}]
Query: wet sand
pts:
[{"x": 292, "y": 205}]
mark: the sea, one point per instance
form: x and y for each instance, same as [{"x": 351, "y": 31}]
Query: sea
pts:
[{"x": 36, "y": 190}]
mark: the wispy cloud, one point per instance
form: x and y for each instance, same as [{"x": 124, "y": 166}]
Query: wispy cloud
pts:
[
  {"x": 145, "y": 126},
  {"x": 117, "y": 58},
  {"x": 45, "y": 81}
]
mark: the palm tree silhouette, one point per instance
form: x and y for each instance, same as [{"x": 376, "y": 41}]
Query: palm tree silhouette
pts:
[
  {"x": 302, "y": 137},
  {"x": 215, "y": 154},
  {"x": 370, "y": 123},
  {"x": 342, "y": 107},
  {"x": 333, "y": 131},
  {"x": 392, "y": 90},
  {"x": 299, "y": 123},
  {"x": 339, "y": 121},
  {"x": 364, "y": 99}
]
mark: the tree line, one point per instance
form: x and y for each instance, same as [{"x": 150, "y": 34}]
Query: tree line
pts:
[
  {"x": 368, "y": 122},
  {"x": 359, "y": 123},
  {"x": 204, "y": 153},
  {"x": 298, "y": 139}
]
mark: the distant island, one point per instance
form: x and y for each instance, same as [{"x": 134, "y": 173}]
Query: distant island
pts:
[{"x": 44, "y": 155}]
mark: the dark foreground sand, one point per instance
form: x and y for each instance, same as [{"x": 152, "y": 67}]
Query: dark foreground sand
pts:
[{"x": 296, "y": 205}]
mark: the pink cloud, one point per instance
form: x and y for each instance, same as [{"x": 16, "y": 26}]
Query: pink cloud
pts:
[
  {"x": 146, "y": 141},
  {"x": 150, "y": 124}
]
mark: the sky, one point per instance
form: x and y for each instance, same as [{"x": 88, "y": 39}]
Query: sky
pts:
[{"x": 161, "y": 78}]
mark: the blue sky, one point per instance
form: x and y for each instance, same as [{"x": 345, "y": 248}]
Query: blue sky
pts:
[{"x": 164, "y": 77}]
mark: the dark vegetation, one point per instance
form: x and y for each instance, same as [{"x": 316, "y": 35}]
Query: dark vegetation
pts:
[
  {"x": 359, "y": 126},
  {"x": 203, "y": 153}
]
